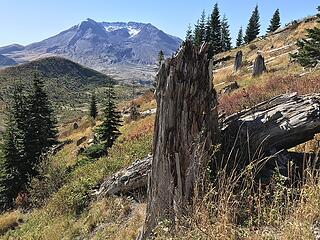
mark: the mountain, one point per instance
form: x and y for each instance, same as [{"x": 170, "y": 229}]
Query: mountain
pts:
[
  {"x": 65, "y": 81},
  {"x": 104, "y": 46},
  {"x": 5, "y": 61},
  {"x": 11, "y": 48}
]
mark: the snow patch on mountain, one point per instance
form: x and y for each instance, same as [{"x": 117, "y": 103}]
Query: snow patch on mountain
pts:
[{"x": 131, "y": 30}]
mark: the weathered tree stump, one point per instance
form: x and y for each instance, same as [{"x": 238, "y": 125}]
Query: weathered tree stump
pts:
[
  {"x": 259, "y": 66},
  {"x": 185, "y": 130},
  {"x": 238, "y": 61}
]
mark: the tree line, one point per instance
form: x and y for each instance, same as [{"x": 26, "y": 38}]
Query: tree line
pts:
[
  {"x": 31, "y": 130},
  {"x": 215, "y": 30}
]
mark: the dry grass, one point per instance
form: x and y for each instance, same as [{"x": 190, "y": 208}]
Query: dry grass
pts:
[
  {"x": 237, "y": 208},
  {"x": 144, "y": 102},
  {"x": 136, "y": 129},
  {"x": 248, "y": 97},
  {"x": 9, "y": 220}
]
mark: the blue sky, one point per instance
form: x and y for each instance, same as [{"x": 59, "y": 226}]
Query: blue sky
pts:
[{"x": 27, "y": 21}]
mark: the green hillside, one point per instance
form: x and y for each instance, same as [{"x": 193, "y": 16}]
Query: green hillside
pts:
[{"x": 65, "y": 81}]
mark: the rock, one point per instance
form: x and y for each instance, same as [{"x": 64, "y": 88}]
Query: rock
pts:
[
  {"x": 81, "y": 140},
  {"x": 259, "y": 66},
  {"x": 238, "y": 61},
  {"x": 57, "y": 147},
  {"x": 148, "y": 112},
  {"x": 229, "y": 88},
  {"x": 75, "y": 125}
]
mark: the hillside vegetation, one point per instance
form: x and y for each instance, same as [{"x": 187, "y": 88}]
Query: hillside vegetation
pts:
[
  {"x": 61, "y": 204},
  {"x": 69, "y": 85},
  {"x": 65, "y": 81},
  {"x": 282, "y": 76}
]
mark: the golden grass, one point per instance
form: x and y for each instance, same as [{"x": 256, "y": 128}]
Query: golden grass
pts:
[
  {"x": 231, "y": 210},
  {"x": 9, "y": 220}
]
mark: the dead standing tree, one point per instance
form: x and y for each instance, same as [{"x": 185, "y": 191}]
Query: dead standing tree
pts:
[
  {"x": 185, "y": 131},
  {"x": 238, "y": 61},
  {"x": 259, "y": 66}
]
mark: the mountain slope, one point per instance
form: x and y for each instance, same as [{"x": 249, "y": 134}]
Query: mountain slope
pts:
[
  {"x": 65, "y": 81},
  {"x": 99, "y": 45},
  {"x": 5, "y": 61}
]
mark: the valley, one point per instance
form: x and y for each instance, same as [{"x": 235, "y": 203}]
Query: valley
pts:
[{"x": 125, "y": 51}]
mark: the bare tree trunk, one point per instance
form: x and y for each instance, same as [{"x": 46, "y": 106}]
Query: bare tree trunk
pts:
[
  {"x": 238, "y": 61},
  {"x": 259, "y": 66},
  {"x": 185, "y": 131}
]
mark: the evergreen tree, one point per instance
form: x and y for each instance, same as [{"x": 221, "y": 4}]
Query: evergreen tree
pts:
[
  {"x": 93, "y": 107},
  {"x": 225, "y": 35},
  {"x": 196, "y": 34},
  {"x": 308, "y": 54},
  {"x": 208, "y": 30},
  {"x": 239, "y": 41},
  {"x": 4, "y": 184},
  {"x": 200, "y": 34},
  {"x": 30, "y": 131},
  {"x": 108, "y": 131},
  {"x": 189, "y": 36},
  {"x": 42, "y": 130},
  {"x": 274, "y": 22},
  {"x": 215, "y": 46},
  {"x": 160, "y": 57},
  {"x": 15, "y": 159},
  {"x": 253, "y": 28}
]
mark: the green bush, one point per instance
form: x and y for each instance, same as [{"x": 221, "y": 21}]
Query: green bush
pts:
[
  {"x": 95, "y": 151},
  {"x": 51, "y": 177}
]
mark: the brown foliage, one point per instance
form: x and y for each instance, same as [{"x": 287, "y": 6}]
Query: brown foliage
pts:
[{"x": 252, "y": 95}]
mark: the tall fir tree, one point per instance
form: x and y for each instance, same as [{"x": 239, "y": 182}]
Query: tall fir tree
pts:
[
  {"x": 274, "y": 22},
  {"x": 215, "y": 44},
  {"x": 200, "y": 33},
  {"x": 253, "y": 28},
  {"x": 42, "y": 132},
  {"x": 93, "y": 107},
  {"x": 30, "y": 132},
  {"x": 189, "y": 35},
  {"x": 208, "y": 30},
  {"x": 239, "y": 40},
  {"x": 225, "y": 35},
  {"x": 15, "y": 157},
  {"x": 196, "y": 34},
  {"x": 5, "y": 190},
  {"x": 108, "y": 131},
  {"x": 308, "y": 54}
]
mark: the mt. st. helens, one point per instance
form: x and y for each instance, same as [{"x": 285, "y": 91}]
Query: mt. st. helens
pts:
[{"x": 118, "y": 49}]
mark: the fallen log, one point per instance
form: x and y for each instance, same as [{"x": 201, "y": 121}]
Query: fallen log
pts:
[
  {"x": 282, "y": 122},
  {"x": 127, "y": 180},
  {"x": 267, "y": 129}
]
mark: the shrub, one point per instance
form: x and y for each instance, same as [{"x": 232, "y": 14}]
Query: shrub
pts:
[
  {"x": 95, "y": 151},
  {"x": 252, "y": 47},
  {"x": 51, "y": 177}
]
